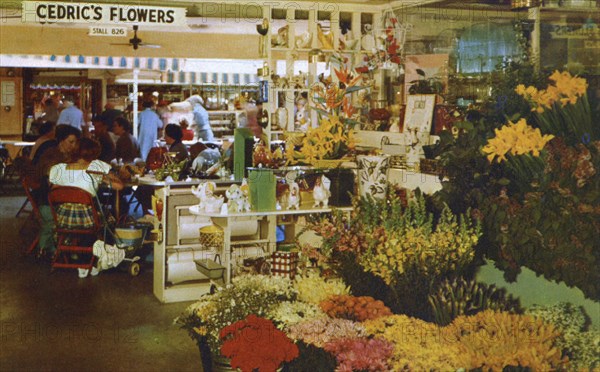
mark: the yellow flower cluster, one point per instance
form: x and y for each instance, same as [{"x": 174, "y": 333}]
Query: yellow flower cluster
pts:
[
  {"x": 314, "y": 288},
  {"x": 487, "y": 340},
  {"x": 491, "y": 340},
  {"x": 517, "y": 139},
  {"x": 330, "y": 140},
  {"x": 447, "y": 248},
  {"x": 418, "y": 345},
  {"x": 566, "y": 89}
]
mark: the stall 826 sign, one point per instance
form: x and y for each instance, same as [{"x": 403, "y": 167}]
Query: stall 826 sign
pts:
[{"x": 108, "y": 14}]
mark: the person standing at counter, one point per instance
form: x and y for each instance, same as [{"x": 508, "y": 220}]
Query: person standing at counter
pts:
[
  {"x": 203, "y": 129},
  {"x": 149, "y": 125},
  {"x": 71, "y": 115},
  {"x": 127, "y": 147}
]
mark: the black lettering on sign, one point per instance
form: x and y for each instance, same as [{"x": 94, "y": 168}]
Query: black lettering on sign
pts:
[
  {"x": 142, "y": 15},
  {"x": 161, "y": 16},
  {"x": 131, "y": 15},
  {"x": 39, "y": 13},
  {"x": 170, "y": 16},
  {"x": 97, "y": 14},
  {"x": 113, "y": 13}
]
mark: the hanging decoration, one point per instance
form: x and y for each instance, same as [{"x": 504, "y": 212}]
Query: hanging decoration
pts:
[{"x": 388, "y": 48}]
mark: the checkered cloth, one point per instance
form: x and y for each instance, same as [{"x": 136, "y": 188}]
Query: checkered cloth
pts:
[{"x": 75, "y": 216}]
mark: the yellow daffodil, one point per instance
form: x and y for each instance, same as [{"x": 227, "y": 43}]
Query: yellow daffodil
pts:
[{"x": 517, "y": 139}]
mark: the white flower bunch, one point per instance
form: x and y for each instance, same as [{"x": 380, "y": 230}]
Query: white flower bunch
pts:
[{"x": 289, "y": 313}]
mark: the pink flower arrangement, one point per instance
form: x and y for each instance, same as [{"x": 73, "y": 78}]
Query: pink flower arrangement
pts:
[
  {"x": 256, "y": 344},
  {"x": 361, "y": 354}
]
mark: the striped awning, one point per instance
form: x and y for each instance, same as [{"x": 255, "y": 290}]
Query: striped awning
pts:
[{"x": 172, "y": 70}]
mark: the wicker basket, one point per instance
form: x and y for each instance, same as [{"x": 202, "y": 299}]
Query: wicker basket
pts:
[{"x": 212, "y": 237}]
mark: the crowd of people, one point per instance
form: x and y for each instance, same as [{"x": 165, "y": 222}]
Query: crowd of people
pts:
[{"x": 67, "y": 154}]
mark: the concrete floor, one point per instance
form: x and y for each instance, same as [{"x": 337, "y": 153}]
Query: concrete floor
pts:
[{"x": 56, "y": 321}]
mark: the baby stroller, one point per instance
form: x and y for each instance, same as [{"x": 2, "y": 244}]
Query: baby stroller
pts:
[{"x": 120, "y": 242}]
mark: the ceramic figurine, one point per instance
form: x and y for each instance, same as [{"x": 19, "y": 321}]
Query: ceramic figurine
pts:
[
  {"x": 321, "y": 191},
  {"x": 237, "y": 202},
  {"x": 294, "y": 196},
  {"x": 261, "y": 156},
  {"x": 204, "y": 192}
]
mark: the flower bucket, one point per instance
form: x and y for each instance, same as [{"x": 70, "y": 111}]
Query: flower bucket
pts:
[
  {"x": 373, "y": 175},
  {"x": 211, "y": 362}
]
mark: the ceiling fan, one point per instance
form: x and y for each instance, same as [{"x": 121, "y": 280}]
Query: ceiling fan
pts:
[{"x": 136, "y": 42}]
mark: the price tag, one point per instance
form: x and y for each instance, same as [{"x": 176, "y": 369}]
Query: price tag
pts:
[{"x": 107, "y": 31}]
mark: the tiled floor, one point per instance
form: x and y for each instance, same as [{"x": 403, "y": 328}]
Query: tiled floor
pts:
[{"x": 57, "y": 321}]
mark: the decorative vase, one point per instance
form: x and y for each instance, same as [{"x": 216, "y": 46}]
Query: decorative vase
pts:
[{"x": 373, "y": 175}]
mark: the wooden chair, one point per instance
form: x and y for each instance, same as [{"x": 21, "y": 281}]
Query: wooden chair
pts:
[
  {"x": 35, "y": 212},
  {"x": 74, "y": 240}
]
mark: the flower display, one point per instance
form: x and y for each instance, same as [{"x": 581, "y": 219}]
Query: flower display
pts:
[
  {"x": 580, "y": 344},
  {"x": 255, "y": 344},
  {"x": 562, "y": 108},
  {"x": 330, "y": 140},
  {"x": 418, "y": 345},
  {"x": 319, "y": 332},
  {"x": 416, "y": 244},
  {"x": 334, "y": 137},
  {"x": 313, "y": 288},
  {"x": 516, "y": 139},
  {"x": 288, "y": 313},
  {"x": 361, "y": 354},
  {"x": 567, "y": 89},
  {"x": 354, "y": 308},
  {"x": 247, "y": 294},
  {"x": 492, "y": 340}
]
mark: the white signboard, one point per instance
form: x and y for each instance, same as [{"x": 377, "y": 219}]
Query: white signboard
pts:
[
  {"x": 62, "y": 12},
  {"x": 107, "y": 31}
]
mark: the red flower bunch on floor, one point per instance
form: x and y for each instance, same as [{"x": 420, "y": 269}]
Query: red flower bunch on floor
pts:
[
  {"x": 255, "y": 343},
  {"x": 361, "y": 354},
  {"x": 354, "y": 308}
]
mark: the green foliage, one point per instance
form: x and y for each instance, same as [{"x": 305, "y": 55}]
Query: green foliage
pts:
[
  {"x": 462, "y": 297},
  {"x": 426, "y": 85},
  {"x": 470, "y": 178},
  {"x": 579, "y": 343},
  {"x": 554, "y": 229}
]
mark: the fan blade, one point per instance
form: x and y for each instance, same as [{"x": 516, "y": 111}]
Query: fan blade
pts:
[{"x": 156, "y": 46}]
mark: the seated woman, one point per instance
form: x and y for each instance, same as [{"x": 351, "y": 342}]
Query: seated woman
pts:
[
  {"x": 87, "y": 173},
  {"x": 173, "y": 136}
]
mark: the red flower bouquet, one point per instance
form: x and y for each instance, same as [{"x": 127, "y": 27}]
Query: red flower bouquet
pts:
[{"x": 256, "y": 344}]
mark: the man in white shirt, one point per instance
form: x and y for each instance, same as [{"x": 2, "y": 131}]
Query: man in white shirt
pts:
[{"x": 71, "y": 115}]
